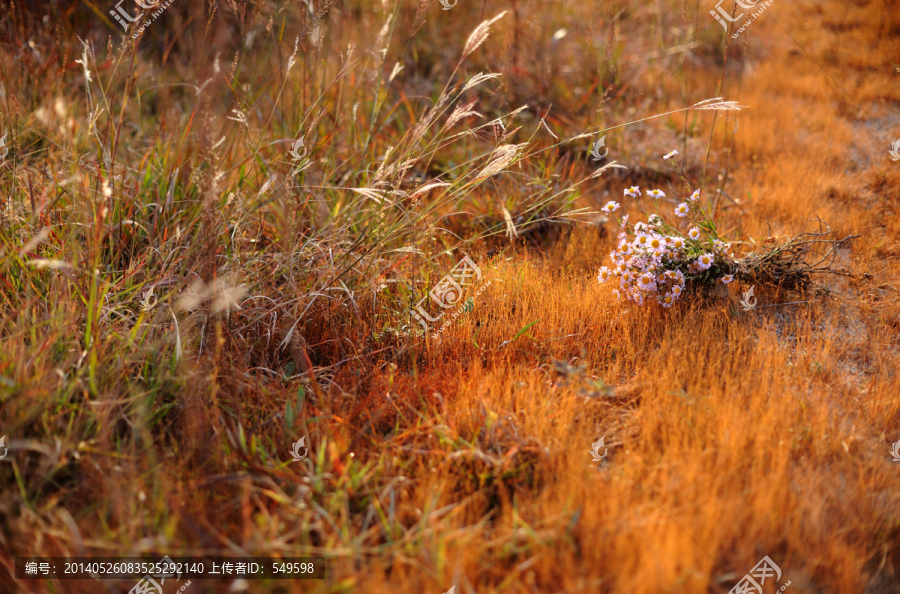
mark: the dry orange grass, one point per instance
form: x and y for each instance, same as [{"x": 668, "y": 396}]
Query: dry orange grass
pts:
[{"x": 731, "y": 435}]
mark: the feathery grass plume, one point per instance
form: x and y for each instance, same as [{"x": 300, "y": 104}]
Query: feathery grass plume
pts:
[
  {"x": 718, "y": 104},
  {"x": 579, "y": 137},
  {"x": 385, "y": 29},
  {"x": 35, "y": 241},
  {"x": 223, "y": 293},
  {"x": 384, "y": 171},
  {"x": 347, "y": 64},
  {"x": 429, "y": 186},
  {"x": 371, "y": 194},
  {"x": 291, "y": 61},
  {"x": 511, "y": 232},
  {"x": 422, "y": 125},
  {"x": 611, "y": 165},
  {"x": 502, "y": 157},
  {"x": 240, "y": 117},
  {"x": 396, "y": 70},
  {"x": 480, "y": 34},
  {"x": 461, "y": 112},
  {"x": 41, "y": 263},
  {"x": 478, "y": 79}
]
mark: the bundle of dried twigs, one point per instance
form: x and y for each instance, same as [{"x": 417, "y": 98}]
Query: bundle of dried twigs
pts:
[{"x": 789, "y": 262}]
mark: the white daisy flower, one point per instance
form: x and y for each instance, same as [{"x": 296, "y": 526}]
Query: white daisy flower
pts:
[
  {"x": 646, "y": 282},
  {"x": 617, "y": 293},
  {"x": 682, "y": 209},
  {"x": 670, "y": 155},
  {"x": 624, "y": 248},
  {"x": 633, "y": 191},
  {"x": 611, "y": 206},
  {"x": 624, "y": 221},
  {"x": 657, "y": 244},
  {"x": 705, "y": 261},
  {"x": 676, "y": 290},
  {"x": 641, "y": 240},
  {"x": 695, "y": 195},
  {"x": 727, "y": 278},
  {"x": 677, "y": 243},
  {"x": 694, "y": 233},
  {"x": 639, "y": 226},
  {"x": 656, "y": 194},
  {"x": 604, "y": 274},
  {"x": 668, "y": 300}
]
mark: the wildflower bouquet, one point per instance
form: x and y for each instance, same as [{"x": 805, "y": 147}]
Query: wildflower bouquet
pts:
[{"x": 655, "y": 259}]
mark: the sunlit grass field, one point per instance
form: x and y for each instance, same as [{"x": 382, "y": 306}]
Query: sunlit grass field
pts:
[{"x": 228, "y": 235}]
